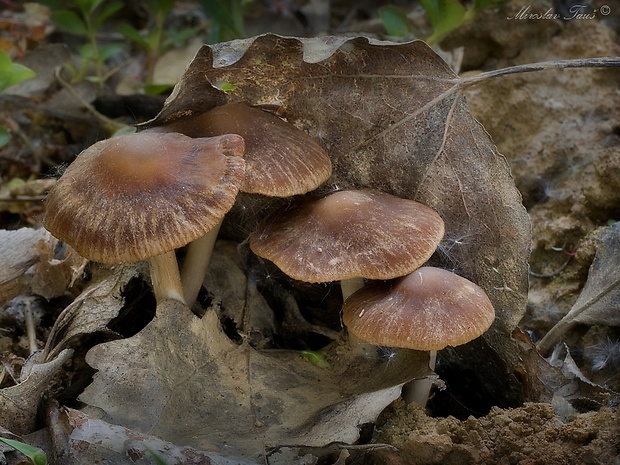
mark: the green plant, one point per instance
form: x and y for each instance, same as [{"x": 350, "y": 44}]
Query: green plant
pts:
[
  {"x": 227, "y": 19},
  {"x": 444, "y": 17},
  {"x": 316, "y": 358},
  {"x": 395, "y": 21},
  {"x": 157, "y": 39},
  {"x": 36, "y": 455},
  {"x": 85, "y": 18},
  {"x": 11, "y": 74}
]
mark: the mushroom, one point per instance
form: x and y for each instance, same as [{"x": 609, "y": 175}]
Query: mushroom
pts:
[
  {"x": 428, "y": 310},
  {"x": 281, "y": 161},
  {"x": 140, "y": 196},
  {"x": 349, "y": 235}
]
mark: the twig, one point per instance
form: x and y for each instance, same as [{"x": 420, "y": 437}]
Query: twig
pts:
[
  {"x": 603, "y": 62},
  {"x": 549, "y": 275},
  {"x": 30, "y": 329},
  {"x": 112, "y": 125},
  {"x": 569, "y": 252},
  {"x": 461, "y": 83}
]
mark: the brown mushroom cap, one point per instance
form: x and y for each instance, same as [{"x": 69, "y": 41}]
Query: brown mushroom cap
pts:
[
  {"x": 427, "y": 310},
  {"x": 140, "y": 195},
  {"x": 281, "y": 160},
  {"x": 350, "y": 234}
]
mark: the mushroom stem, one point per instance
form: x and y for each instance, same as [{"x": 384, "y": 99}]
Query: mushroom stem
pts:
[
  {"x": 349, "y": 286},
  {"x": 165, "y": 277},
  {"x": 419, "y": 390},
  {"x": 196, "y": 262}
]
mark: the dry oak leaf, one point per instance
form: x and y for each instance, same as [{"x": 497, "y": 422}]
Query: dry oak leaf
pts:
[
  {"x": 599, "y": 300},
  {"x": 183, "y": 380},
  {"x": 99, "y": 303},
  {"x": 18, "y": 252},
  {"x": 392, "y": 117},
  {"x": 80, "y": 439},
  {"x": 19, "y": 404}
]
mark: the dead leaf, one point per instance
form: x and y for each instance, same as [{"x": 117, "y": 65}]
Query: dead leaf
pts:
[
  {"x": 79, "y": 439},
  {"x": 183, "y": 380},
  {"x": 52, "y": 277},
  {"x": 22, "y": 28},
  {"x": 599, "y": 300},
  {"x": 19, "y": 252},
  {"x": 558, "y": 379},
  {"x": 19, "y": 404},
  {"x": 92, "y": 310},
  {"x": 392, "y": 117}
]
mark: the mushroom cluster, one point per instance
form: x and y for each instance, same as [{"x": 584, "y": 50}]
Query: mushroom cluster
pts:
[
  {"x": 280, "y": 161},
  {"x": 356, "y": 235},
  {"x": 141, "y": 196},
  {"x": 179, "y": 179}
]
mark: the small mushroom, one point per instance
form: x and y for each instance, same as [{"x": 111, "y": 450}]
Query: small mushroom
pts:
[
  {"x": 428, "y": 310},
  {"x": 349, "y": 235},
  {"x": 281, "y": 161},
  {"x": 141, "y": 196}
]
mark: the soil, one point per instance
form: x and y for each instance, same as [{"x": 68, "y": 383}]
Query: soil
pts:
[{"x": 536, "y": 433}]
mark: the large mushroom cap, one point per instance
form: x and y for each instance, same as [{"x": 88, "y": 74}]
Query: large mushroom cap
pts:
[
  {"x": 281, "y": 160},
  {"x": 427, "y": 310},
  {"x": 137, "y": 196},
  {"x": 350, "y": 234}
]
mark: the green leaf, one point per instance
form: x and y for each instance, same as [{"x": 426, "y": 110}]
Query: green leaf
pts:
[
  {"x": 131, "y": 33},
  {"x": 225, "y": 86},
  {"x": 157, "y": 89},
  {"x": 89, "y": 6},
  {"x": 178, "y": 37},
  {"x": 395, "y": 21},
  {"x": 224, "y": 15},
  {"x": 88, "y": 52},
  {"x": 5, "y": 138},
  {"x": 316, "y": 358},
  {"x": 69, "y": 21},
  {"x": 154, "y": 37},
  {"x": 109, "y": 50},
  {"x": 444, "y": 16},
  {"x": 33, "y": 453},
  {"x": 12, "y": 73},
  {"x": 105, "y": 13}
]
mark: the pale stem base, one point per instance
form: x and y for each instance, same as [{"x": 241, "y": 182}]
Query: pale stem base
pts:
[
  {"x": 196, "y": 263},
  {"x": 165, "y": 277},
  {"x": 419, "y": 390}
]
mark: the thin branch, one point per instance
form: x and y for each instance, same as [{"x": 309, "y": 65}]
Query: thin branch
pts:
[
  {"x": 550, "y": 275},
  {"x": 110, "y": 123},
  {"x": 603, "y": 62}
]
